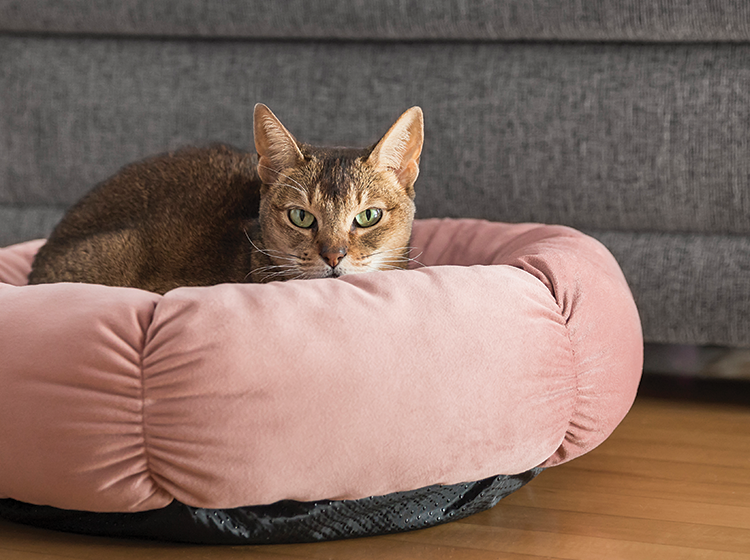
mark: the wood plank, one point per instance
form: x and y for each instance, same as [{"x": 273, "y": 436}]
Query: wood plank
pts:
[
  {"x": 687, "y": 424},
  {"x": 617, "y": 481},
  {"x": 20, "y": 555},
  {"x": 557, "y": 545},
  {"x": 392, "y": 548},
  {"x": 598, "y": 461},
  {"x": 716, "y": 453},
  {"x": 642, "y": 507},
  {"x": 22, "y": 542},
  {"x": 620, "y": 528}
]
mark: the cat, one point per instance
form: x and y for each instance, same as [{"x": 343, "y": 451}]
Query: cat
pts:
[{"x": 206, "y": 216}]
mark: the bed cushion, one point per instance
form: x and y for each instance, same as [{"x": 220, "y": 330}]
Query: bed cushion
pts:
[{"x": 513, "y": 347}]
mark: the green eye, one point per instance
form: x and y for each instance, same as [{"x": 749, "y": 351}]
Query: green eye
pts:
[
  {"x": 301, "y": 218},
  {"x": 369, "y": 217}
]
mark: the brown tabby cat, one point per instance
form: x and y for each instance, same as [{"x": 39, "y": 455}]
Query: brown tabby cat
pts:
[{"x": 204, "y": 216}]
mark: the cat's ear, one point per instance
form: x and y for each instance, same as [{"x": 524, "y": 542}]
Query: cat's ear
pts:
[
  {"x": 277, "y": 149},
  {"x": 399, "y": 150}
]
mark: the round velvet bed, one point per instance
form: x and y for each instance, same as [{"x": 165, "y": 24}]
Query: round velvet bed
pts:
[{"x": 313, "y": 409}]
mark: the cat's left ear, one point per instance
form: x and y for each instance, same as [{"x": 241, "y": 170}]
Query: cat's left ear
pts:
[{"x": 399, "y": 150}]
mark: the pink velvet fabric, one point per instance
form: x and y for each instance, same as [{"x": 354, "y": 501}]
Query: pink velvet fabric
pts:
[{"x": 516, "y": 346}]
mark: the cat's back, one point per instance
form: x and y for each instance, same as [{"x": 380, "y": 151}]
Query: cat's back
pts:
[
  {"x": 188, "y": 181},
  {"x": 175, "y": 218}
]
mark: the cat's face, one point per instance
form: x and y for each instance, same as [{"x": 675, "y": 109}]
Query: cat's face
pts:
[{"x": 331, "y": 212}]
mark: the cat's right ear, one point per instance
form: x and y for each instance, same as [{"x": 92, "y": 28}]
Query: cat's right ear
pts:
[{"x": 277, "y": 149}]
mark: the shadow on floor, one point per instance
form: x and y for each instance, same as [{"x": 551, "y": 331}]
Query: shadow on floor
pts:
[{"x": 695, "y": 389}]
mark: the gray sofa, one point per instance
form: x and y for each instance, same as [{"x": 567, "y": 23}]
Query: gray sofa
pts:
[{"x": 627, "y": 119}]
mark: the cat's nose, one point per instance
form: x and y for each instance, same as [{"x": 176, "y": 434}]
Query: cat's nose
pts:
[{"x": 333, "y": 256}]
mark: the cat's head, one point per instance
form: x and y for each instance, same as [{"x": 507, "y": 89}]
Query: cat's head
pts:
[{"x": 327, "y": 212}]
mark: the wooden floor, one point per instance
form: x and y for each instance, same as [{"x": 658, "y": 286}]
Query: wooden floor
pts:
[{"x": 673, "y": 482}]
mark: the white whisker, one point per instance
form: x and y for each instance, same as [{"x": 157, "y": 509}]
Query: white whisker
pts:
[
  {"x": 273, "y": 253},
  {"x": 398, "y": 255}
]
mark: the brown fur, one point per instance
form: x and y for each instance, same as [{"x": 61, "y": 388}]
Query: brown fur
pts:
[{"x": 204, "y": 216}]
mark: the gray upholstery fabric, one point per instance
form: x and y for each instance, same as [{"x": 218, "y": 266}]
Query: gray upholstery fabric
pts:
[
  {"x": 23, "y": 223},
  {"x": 690, "y": 289},
  {"x": 573, "y": 20},
  {"x": 643, "y": 143},
  {"x": 624, "y": 137}
]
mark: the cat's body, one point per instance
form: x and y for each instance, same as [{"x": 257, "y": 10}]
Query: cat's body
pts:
[
  {"x": 204, "y": 216},
  {"x": 169, "y": 221}
]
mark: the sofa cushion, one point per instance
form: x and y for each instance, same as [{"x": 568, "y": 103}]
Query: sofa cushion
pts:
[{"x": 402, "y": 20}]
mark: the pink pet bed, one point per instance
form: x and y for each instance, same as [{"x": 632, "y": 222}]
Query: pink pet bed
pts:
[{"x": 516, "y": 347}]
